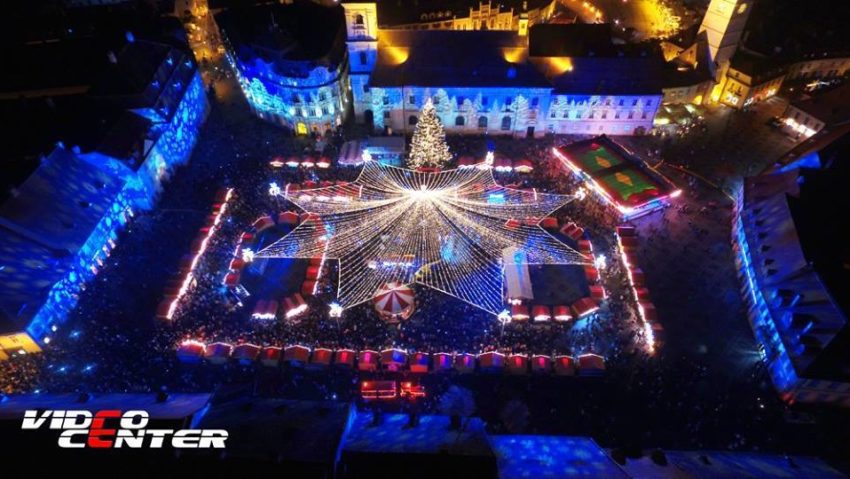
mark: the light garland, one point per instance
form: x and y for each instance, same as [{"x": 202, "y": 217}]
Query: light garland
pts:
[
  {"x": 187, "y": 281},
  {"x": 439, "y": 229}
]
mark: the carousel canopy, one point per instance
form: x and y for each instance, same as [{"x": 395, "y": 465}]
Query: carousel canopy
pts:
[{"x": 393, "y": 298}]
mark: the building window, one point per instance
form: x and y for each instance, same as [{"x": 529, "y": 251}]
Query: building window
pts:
[
  {"x": 386, "y": 115},
  {"x": 608, "y": 102},
  {"x": 506, "y": 123},
  {"x": 604, "y": 114},
  {"x": 566, "y": 114},
  {"x": 484, "y": 101},
  {"x": 534, "y": 102},
  {"x": 460, "y": 101},
  {"x": 325, "y": 110},
  {"x": 482, "y": 122},
  {"x": 643, "y": 115},
  {"x": 459, "y": 121},
  {"x": 358, "y": 20},
  {"x": 590, "y": 117},
  {"x": 365, "y": 88},
  {"x": 296, "y": 98},
  {"x": 322, "y": 96},
  {"x": 648, "y": 102},
  {"x": 412, "y": 120},
  {"x": 552, "y": 114},
  {"x": 364, "y": 59},
  {"x": 508, "y": 101},
  {"x": 621, "y": 102},
  {"x": 386, "y": 100},
  {"x": 617, "y": 115},
  {"x": 631, "y": 115},
  {"x": 412, "y": 99},
  {"x": 634, "y": 102},
  {"x": 435, "y": 100}
]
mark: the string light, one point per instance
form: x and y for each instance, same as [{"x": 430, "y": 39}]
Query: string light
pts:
[
  {"x": 274, "y": 189},
  {"x": 439, "y": 229}
]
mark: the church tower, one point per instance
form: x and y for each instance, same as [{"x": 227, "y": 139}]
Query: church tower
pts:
[
  {"x": 724, "y": 24},
  {"x": 361, "y": 22}
]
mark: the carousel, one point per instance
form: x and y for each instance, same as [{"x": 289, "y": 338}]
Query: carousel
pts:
[{"x": 394, "y": 301}]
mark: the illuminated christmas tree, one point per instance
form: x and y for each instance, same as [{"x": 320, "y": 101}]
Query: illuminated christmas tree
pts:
[{"x": 428, "y": 147}]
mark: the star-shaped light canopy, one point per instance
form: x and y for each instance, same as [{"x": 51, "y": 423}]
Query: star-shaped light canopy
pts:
[{"x": 446, "y": 230}]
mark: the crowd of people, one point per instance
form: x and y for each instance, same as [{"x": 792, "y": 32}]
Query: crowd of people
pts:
[
  {"x": 213, "y": 313},
  {"x": 113, "y": 342}
]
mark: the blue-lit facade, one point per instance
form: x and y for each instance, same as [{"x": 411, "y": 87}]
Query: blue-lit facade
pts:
[
  {"x": 313, "y": 104},
  {"x": 175, "y": 138},
  {"x": 290, "y": 76},
  {"x": 491, "y": 84},
  {"x": 85, "y": 264},
  {"x": 56, "y": 236},
  {"x": 508, "y": 110},
  {"x": 780, "y": 289}
]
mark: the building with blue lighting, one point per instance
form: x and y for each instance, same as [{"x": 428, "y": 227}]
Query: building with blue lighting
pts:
[
  {"x": 552, "y": 78},
  {"x": 132, "y": 126},
  {"x": 789, "y": 236},
  {"x": 291, "y": 63}
]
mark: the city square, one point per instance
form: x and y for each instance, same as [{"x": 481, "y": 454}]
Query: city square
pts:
[{"x": 535, "y": 282}]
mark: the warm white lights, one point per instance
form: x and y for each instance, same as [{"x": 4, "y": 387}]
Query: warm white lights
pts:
[{"x": 446, "y": 230}]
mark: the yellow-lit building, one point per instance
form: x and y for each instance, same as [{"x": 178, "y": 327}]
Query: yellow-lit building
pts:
[
  {"x": 820, "y": 67},
  {"x": 810, "y": 115},
  {"x": 515, "y": 15},
  {"x": 750, "y": 79},
  {"x": 17, "y": 343}
]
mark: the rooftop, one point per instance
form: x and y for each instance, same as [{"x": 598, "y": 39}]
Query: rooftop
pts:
[
  {"x": 402, "y": 12},
  {"x": 61, "y": 202},
  {"x": 571, "y": 40},
  {"x": 176, "y": 406},
  {"x": 545, "y": 457},
  {"x": 799, "y": 253},
  {"x": 37, "y": 67},
  {"x": 454, "y": 58},
  {"x": 643, "y": 75},
  {"x": 831, "y": 107},
  {"x": 286, "y": 430},
  {"x": 45, "y": 224},
  {"x": 824, "y": 240},
  {"x": 759, "y": 67},
  {"x": 135, "y": 67},
  {"x": 286, "y": 34},
  {"x": 433, "y": 435}
]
